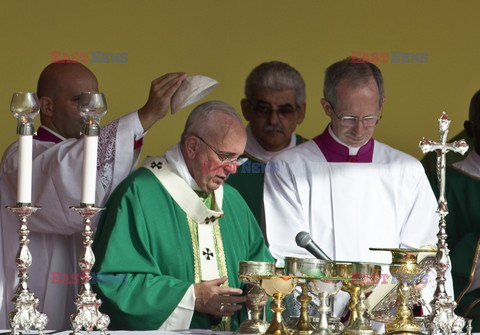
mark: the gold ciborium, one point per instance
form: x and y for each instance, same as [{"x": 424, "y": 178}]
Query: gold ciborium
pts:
[
  {"x": 405, "y": 270},
  {"x": 278, "y": 287},
  {"x": 255, "y": 294},
  {"x": 304, "y": 269},
  {"x": 365, "y": 277}
]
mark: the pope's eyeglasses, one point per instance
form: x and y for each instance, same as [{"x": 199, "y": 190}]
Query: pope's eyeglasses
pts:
[{"x": 223, "y": 156}]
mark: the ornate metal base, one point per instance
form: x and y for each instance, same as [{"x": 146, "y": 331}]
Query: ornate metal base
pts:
[
  {"x": 404, "y": 321},
  {"x": 87, "y": 315},
  {"x": 292, "y": 324},
  {"x": 252, "y": 327},
  {"x": 335, "y": 325},
  {"x": 303, "y": 332},
  {"x": 443, "y": 319},
  {"x": 26, "y": 315},
  {"x": 359, "y": 329},
  {"x": 308, "y": 331},
  {"x": 361, "y": 325},
  {"x": 277, "y": 326},
  {"x": 402, "y": 326}
]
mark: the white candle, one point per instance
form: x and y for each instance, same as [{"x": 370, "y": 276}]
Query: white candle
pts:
[
  {"x": 24, "y": 186},
  {"x": 90, "y": 144}
]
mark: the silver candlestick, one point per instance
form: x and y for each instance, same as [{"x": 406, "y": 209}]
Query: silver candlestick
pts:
[
  {"x": 442, "y": 318},
  {"x": 25, "y": 315},
  {"x": 87, "y": 314},
  {"x": 92, "y": 107},
  {"x": 24, "y": 107}
]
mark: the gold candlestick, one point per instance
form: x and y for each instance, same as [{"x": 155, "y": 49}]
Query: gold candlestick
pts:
[
  {"x": 299, "y": 267},
  {"x": 365, "y": 277}
]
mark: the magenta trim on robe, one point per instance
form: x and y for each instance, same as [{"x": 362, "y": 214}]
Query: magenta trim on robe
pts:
[
  {"x": 46, "y": 136},
  {"x": 335, "y": 152},
  {"x": 138, "y": 144}
]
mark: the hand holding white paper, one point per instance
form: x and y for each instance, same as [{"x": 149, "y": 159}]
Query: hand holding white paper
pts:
[{"x": 192, "y": 89}]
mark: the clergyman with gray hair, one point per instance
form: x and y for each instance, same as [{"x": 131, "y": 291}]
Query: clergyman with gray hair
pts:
[
  {"x": 347, "y": 190},
  {"x": 274, "y": 105},
  {"x": 179, "y": 234}
]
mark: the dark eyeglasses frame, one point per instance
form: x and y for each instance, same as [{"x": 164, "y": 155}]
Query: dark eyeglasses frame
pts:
[
  {"x": 224, "y": 158},
  {"x": 255, "y": 107}
]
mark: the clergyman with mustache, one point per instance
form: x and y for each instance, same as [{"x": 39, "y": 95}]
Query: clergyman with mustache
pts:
[{"x": 274, "y": 105}]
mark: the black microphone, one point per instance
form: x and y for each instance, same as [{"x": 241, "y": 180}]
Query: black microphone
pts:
[{"x": 305, "y": 241}]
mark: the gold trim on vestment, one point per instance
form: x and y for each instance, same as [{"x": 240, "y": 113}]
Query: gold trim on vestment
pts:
[
  {"x": 226, "y": 323},
  {"x": 192, "y": 226},
  {"x": 473, "y": 304},
  {"x": 472, "y": 274}
]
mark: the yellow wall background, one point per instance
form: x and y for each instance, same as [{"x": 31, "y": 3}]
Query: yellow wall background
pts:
[{"x": 226, "y": 39}]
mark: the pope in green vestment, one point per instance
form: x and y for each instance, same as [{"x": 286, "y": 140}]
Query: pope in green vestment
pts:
[
  {"x": 145, "y": 234},
  {"x": 462, "y": 193}
]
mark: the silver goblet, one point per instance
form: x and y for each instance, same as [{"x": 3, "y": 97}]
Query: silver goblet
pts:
[
  {"x": 302, "y": 268},
  {"x": 255, "y": 294},
  {"x": 325, "y": 282}
]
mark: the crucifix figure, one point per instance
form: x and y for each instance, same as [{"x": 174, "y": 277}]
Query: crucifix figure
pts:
[
  {"x": 207, "y": 253},
  {"x": 442, "y": 319},
  {"x": 157, "y": 165},
  {"x": 212, "y": 218}
]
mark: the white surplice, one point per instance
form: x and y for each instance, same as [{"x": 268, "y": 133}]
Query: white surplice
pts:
[
  {"x": 55, "y": 238},
  {"x": 349, "y": 207}
]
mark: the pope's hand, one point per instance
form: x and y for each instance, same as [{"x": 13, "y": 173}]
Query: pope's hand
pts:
[
  {"x": 211, "y": 298},
  {"x": 161, "y": 91}
]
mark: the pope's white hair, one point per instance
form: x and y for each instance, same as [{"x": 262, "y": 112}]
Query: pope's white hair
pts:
[{"x": 202, "y": 119}]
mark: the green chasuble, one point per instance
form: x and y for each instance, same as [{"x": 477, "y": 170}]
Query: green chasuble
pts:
[
  {"x": 462, "y": 193},
  {"x": 249, "y": 181},
  {"x": 144, "y": 234}
]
